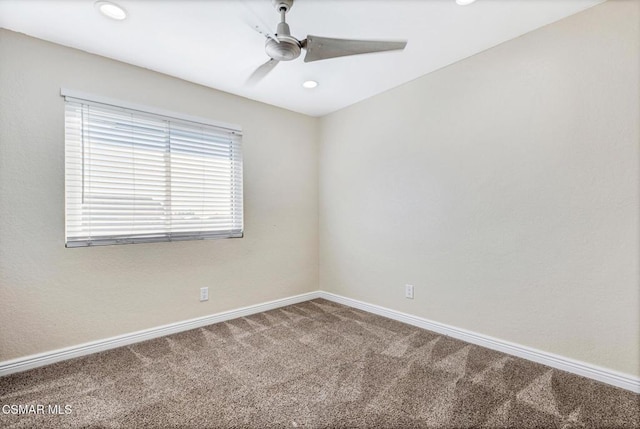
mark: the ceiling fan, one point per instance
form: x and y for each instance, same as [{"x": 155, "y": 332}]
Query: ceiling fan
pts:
[{"x": 282, "y": 46}]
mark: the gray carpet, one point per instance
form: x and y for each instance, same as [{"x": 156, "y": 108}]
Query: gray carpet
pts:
[{"x": 315, "y": 364}]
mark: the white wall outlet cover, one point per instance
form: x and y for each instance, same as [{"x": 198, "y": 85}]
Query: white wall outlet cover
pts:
[
  {"x": 408, "y": 291},
  {"x": 204, "y": 294}
]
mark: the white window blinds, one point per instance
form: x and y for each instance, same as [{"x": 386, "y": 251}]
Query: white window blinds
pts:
[{"x": 133, "y": 177}]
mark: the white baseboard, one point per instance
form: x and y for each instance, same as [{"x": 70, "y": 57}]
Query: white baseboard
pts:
[
  {"x": 47, "y": 358},
  {"x": 624, "y": 381},
  {"x": 614, "y": 378}
]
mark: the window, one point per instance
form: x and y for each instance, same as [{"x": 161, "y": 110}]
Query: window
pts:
[{"x": 132, "y": 175}]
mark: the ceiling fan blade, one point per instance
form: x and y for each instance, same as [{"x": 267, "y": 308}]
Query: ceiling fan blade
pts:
[
  {"x": 258, "y": 24},
  {"x": 261, "y": 72},
  {"x": 265, "y": 33},
  {"x": 322, "y": 48}
]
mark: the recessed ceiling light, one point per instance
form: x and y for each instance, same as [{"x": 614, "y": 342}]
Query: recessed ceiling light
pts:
[
  {"x": 111, "y": 10},
  {"x": 464, "y": 2},
  {"x": 310, "y": 84}
]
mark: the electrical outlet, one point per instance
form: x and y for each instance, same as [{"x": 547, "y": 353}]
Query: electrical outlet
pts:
[
  {"x": 408, "y": 291},
  {"x": 204, "y": 294}
]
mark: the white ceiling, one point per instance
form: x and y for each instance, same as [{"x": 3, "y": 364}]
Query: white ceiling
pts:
[{"x": 212, "y": 42}]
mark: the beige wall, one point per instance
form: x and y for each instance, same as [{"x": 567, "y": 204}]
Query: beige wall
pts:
[
  {"x": 504, "y": 187},
  {"x": 51, "y": 297}
]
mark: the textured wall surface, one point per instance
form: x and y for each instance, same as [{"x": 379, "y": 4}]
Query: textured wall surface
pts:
[
  {"x": 51, "y": 297},
  {"x": 505, "y": 188}
]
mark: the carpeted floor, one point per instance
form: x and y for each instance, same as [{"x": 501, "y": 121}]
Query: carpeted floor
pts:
[{"x": 315, "y": 364}]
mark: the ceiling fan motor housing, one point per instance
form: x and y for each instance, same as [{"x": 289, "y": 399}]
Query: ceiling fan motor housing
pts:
[{"x": 288, "y": 49}]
